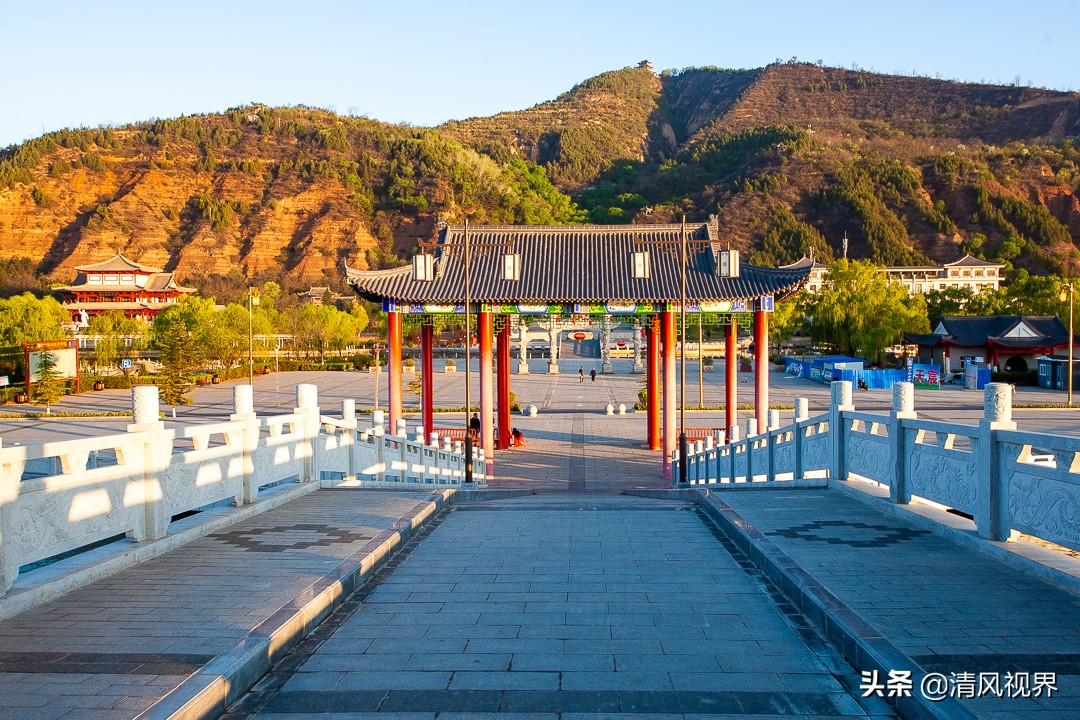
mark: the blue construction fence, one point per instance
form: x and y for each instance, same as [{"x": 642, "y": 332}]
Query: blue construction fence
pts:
[{"x": 828, "y": 369}]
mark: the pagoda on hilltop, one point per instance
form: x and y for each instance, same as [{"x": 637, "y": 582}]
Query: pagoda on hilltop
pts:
[{"x": 139, "y": 291}]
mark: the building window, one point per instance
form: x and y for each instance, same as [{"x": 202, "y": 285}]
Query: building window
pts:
[
  {"x": 127, "y": 279},
  {"x": 93, "y": 279}
]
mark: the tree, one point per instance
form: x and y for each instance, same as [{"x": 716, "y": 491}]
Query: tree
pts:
[
  {"x": 858, "y": 311},
  {"x": 178, "y": 359},
  {"x": 50, "y": 386},
  {"x": 786, "y": 319},
  {"x": 24, "y": 318},
  {"x": 118, "y": 338}
]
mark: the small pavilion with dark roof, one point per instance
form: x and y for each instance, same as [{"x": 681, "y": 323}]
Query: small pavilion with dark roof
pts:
[
  {"x": 631, "y": 272},
  {"x": 1018, "y": 339}
]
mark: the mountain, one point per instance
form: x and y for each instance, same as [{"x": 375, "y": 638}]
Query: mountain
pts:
[{"x": 791, "y": 157}]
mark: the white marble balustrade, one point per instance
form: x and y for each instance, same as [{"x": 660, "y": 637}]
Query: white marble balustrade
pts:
[{"x": 160, "y": 473}]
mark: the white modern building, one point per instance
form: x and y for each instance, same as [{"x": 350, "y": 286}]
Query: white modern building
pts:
[{"x": 967, "y": 272}]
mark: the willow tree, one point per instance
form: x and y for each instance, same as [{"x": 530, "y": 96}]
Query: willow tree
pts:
[{"x": 859, "y": 312}]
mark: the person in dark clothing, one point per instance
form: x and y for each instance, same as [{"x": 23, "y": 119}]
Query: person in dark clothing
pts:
[
  {"x": 592, "y": 374},
  {"x": 581, "y": 375},
  {"x": 474, "y": 425}
]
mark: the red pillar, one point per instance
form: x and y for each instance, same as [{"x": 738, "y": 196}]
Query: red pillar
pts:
[
  {"x": 487, "y": 390},
  {"x": 393, "y": 343},
  {"x": 761, "y": 369},
  {"x": 652, "y": 379},
  {"x": 427, "y": 379},
  {"x": 731, "y": 377},
  {"x": 667, "y": 331},
  {"x": 502, "y": 349}
]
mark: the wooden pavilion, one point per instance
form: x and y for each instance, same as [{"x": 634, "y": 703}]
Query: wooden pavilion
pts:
[{"x": 634, "y": 273}]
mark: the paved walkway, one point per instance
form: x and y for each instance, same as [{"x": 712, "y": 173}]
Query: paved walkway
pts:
[
  {"x": 113, "y": 648},
  {"x": 947, "y": 607},
  {"x": 573, "y": 607}
]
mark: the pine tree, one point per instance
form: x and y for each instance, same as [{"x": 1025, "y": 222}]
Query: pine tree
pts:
[
  {"x": 50, "y": 386},
  {"x": 178, "y": 359}
]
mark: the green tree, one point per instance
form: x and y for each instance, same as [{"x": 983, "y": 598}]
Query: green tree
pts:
[
  {"x": 859, "y": 312},
  {"x": 786, "y": 319},
  {"x": 118, "y": 338},
  {"x": 178, "y": 359},
  {"x": 949, "y": 301},
  {"x": 49, "y": 387},
  {"x": 25, "y": 318}
]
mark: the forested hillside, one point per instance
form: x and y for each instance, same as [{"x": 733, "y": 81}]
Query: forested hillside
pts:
[{"x": 792, "y": 157}]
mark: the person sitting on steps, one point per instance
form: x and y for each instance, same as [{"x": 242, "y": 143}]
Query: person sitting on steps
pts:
[{"x": 517, "y": 439}]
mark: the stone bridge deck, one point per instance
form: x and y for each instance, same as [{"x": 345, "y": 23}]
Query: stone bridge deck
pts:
[{"x": 575, "y": 603}]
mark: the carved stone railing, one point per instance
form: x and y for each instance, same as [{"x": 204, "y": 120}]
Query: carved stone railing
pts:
[
  {"x": 1008, "y": 481},
  {"x": 161, "y": 473}
]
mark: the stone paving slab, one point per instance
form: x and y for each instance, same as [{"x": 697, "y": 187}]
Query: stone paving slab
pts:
[
  {"x": 621, "y": 607},
  {"x": 944, "y": 606},
  {"x": 114, "y": 648}
]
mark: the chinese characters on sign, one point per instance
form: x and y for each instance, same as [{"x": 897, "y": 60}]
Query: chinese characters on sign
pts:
[{"x": 939, "y": 686}]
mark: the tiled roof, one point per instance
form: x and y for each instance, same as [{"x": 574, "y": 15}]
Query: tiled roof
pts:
[
  {"x": 117, "y": 264},
  {"x": 975, "y": 331},
  {"x": 925, "y": 339},
  {"x": 165, "y": 281},
  {"x": 578, "y": 263},
  {"x": 805, "y": 262},
  {"x": 969, "y": 261}
]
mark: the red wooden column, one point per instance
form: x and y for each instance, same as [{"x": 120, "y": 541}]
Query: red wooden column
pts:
[
  {"x": 761, "y": 369},
  {"x": 652, "y": 379},
  {"x": 393, "y": 343},
  {"x": 502, "y": 349},
  {"x": 427, "y": 379},
  {"x": 487, "y": 389},
  {"x": 731, "y": 377},
  {"x": 667, "y": 331}
]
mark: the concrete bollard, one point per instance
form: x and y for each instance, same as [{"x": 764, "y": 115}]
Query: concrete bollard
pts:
[
  {"x": 622, "y": 409},
  {"x": 774, "y": 419},
  {"x": 609, "y": 409},
  {"x": 402, "y": 429},
  {"x": 348, "y": 409},
  {"x": 532, "y": 411}
]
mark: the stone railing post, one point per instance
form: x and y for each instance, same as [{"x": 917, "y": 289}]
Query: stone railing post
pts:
[
  {"x": 377, "y": 431},
  {"x": 839, "y": 403},
  {"x": 307, "y": 405},
  {"x": 733, "y": 441},
  {"x": 248, "y": 441},
  {"x": 903, "y": 408},
  {"x": 402, "y": 430},
  {"x": 991, "y": 497},
  {"x": 352, "y": 447},
  {"x": 751, "y": 434},
  {"x": 802, "y": 412},
  {"x": 156, "y": 456},
  {"x": 10, "y": 478},
  {"x": 721, "y": 440}
]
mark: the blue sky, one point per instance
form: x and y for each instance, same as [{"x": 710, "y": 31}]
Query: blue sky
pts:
[{"x": 71, "y": 64}]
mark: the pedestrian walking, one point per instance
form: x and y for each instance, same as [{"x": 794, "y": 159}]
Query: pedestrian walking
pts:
[
  {"x": 592, "y": 374},
  {"x": 581, "y": 375}
]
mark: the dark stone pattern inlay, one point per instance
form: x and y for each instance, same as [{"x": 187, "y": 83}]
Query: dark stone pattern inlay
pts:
[
  {"x": 1060, "y": 663},
  {"x": 277, "y": 538},
  {"x": 102, "y": 663},
  {"x": 872, "y": 536},
  {"x": 557, "y": 701}
]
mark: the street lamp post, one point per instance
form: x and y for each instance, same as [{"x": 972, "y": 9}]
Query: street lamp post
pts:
[
  {"x": 253, "y": 300},
  {"x": 468, "y": 352},
  {"x": 1068, "y": 287}
]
